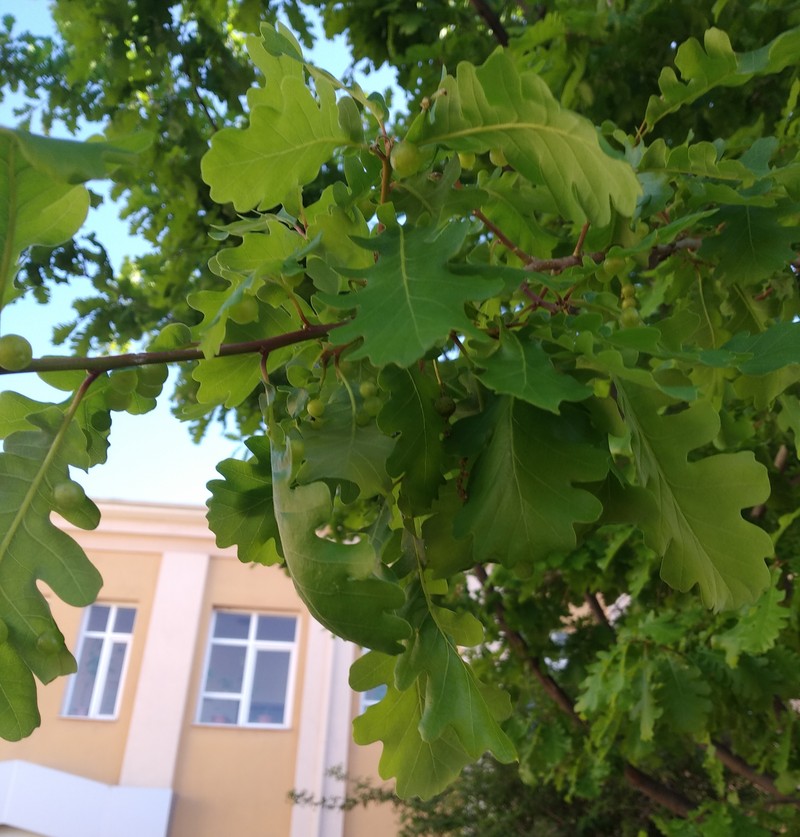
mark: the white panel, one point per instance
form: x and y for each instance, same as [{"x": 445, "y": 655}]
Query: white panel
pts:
[{"x": 52, "y": 803}]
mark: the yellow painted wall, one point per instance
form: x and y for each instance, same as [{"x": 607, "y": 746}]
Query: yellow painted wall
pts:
[
  {"x": 228, "y": 780},
  {"x": 233, "y": 780},
  {"x": 89, "y": 747},
  {"x": 373, "y": 820}
]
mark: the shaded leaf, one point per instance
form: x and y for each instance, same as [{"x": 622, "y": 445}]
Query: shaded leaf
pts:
[
  {"x": 418, "y": 454},
  {"x": 752, "y": 245},
  {"x": 523, "y": 502},
  {"x": 343, "y": 450},
  {"x": 715, "y": 64},
  {"x": 523, "y": 369},
  {"x": 758, "y": 627},
  {"x": 240, "y": 511},
  {"x": 339, "y": 583}
]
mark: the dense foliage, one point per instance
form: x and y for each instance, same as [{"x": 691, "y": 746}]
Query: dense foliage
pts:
[{"x": 519, "y": 392}]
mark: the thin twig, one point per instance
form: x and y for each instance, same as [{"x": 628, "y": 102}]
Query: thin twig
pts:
[
  {"x": 524, "y": 257},
  {"x": 581, "y": 238}
]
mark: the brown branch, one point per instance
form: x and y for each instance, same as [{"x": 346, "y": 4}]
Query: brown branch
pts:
[
  {"x": 211, "y": 118},
  {"x": 492, "y": 20},
  {"x": 733, "y": 762},
  {"x": 597, "y": 610},
  {"x": 518, "y": 643},
  {"x": 650, "y": 787},
  {"x": 738, "y": 765},
  {"x": 675, "y": 802},
  {"x": 109, "y": 362}
]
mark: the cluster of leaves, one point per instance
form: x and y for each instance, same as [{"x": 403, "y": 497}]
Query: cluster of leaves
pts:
[{"x": 523, "y": 414}]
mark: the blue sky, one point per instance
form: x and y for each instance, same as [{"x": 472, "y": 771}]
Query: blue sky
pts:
[{"x": 152, "y": 458}]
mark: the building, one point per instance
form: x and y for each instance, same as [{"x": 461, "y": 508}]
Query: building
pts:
[{"x": 205, "y": 693}]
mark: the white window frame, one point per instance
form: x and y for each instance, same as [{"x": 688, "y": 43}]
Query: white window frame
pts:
[
  {"x": 109, "y": 638},
  {"x": 252, "y": 646}
]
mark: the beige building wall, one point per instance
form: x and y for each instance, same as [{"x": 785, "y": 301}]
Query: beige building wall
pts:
[{"x": 155, "y": 761}]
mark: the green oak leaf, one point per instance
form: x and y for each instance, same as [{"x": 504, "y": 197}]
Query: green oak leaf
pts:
[
  {"x": 290, "y": 135},
  {"x": 446, "y": 554},
  {"x": 230, "y": 380},
  {"x": 420, "y": 768},
  {"x": 752, "y": 245},
  {"x": 340, "y": 583},
  {"x": 496, "y": 106},
  {"x": 343, "y": 450},
  {"x": 523, "y": 369},
  {"x": 456, "y": 700},
  {"x": 699, "y": 530},
  {"x": 259, "y": 258},
  {"x": 682, "y": 695},
  {"x": 32, "y": 548},
  {"x": 523, "y": 502},
  {"x": 769, "y": 350},
  {"x": 240, "y": 510},
  {"x": 715, "y": 64},
  {"x": 41, "y": 201},
  {"x": 19, "y": 715},
  {"x": 646, "y": 710},
  {"x": 412, "y": 301},
  {"x": 442, "y": 719},
  {"x": 758, "y": 627},
  {"x": 418, "y": 454}
]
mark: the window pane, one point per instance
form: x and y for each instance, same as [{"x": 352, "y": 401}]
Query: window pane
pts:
[
  {"x": 109, "y": 700},
  {"x": 98, "y": 618},
  {"x": 225, "y": 668},
  {"x": 278, "y": 628},
  {"x": 271, "y": 677},
  {"x": 123, "y": 624},
  {"x": 83, "y": 683},
  {"x": 219, "y": 711},
  {"x": 232, "y": 625}
]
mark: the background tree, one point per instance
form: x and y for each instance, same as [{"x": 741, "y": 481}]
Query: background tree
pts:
[{"x": 510, "y": 383}]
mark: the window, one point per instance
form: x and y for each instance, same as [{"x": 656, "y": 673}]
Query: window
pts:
[
  {"x": 249, "y": 670},
  {"x": 94, "y": 691}
]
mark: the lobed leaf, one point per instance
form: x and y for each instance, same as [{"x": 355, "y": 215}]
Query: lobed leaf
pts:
[
  {"x": 32, "y": 548},
  {"x": 418, "y": 455},
  {"x": 523, "y": 502},
  {"x": 290, "y": 135},
  {"x": 341, "y": 584},
  {"x": 757, "y": 628},
  {"x": 412, "y": 301},
  {"x": 524, "y": 370},
  {"x": 240, "y": 511},
  {"x": 699, "y": 529},
  {"x": 496, "y": 106},
  {"x": 715, "y": 64}
]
